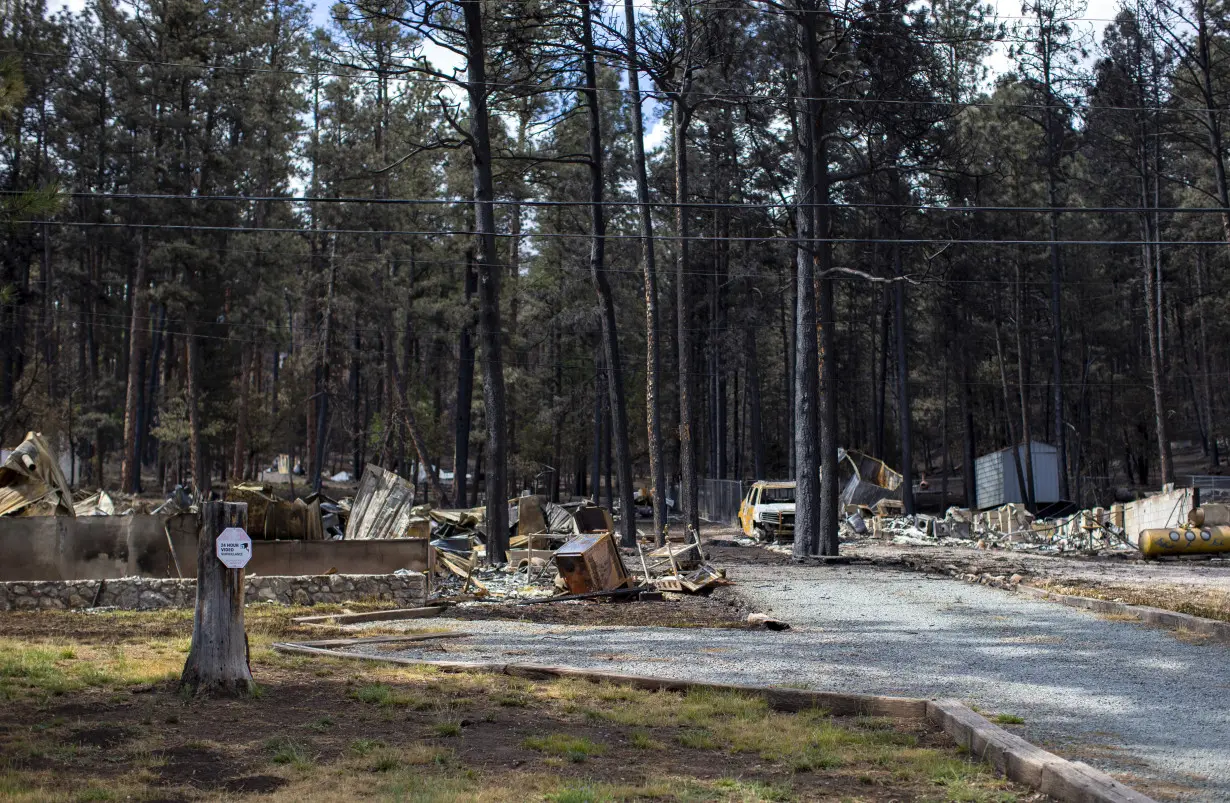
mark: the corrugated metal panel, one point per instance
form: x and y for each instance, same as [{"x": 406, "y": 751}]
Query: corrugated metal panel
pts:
[
  {"x": 995, "y": 479},
  {"x": 1046, "y": 473},
  {"x": 989, "y": 480}
]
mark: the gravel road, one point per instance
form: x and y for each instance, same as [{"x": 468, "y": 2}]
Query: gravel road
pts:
[{"x": 1131, "y": 700}]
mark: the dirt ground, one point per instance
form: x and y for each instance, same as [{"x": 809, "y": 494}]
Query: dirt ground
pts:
[
  {"x": 722, "y": 608},
  {"x": 92, "y": 712}
]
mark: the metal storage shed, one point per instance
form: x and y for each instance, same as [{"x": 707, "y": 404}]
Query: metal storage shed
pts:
[{"x": 995, "y": 479}]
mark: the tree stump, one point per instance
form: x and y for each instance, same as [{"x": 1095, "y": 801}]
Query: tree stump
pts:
[{"x": 218, "y": 660}]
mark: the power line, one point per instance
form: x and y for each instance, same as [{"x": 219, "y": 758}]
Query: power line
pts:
[
  {"x": 921, "y": 207},
  {"x": 637, "y": 237}
]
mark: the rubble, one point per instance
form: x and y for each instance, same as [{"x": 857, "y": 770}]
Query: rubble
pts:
[
  {"x": 32, "y": 483},
  {"x": 591, "y": 562},
  {"x": 382, "y": 508},
  {"x": 577, "y": 542},
  {"x": 865, "y": 480},
  {"x": 99, "y": 503},
  {"x": 1010, "y": 526},
  {"x": 766, "y": 621}
]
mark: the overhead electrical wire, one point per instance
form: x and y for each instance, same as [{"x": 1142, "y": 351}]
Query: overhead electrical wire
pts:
[
  {"x": 700, "y": 205},
  {"x": 586, "y": 236}
]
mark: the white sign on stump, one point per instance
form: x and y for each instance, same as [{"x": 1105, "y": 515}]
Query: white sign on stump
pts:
[{"x": 234, "y": 548}]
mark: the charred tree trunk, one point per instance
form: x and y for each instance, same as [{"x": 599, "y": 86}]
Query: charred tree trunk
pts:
[
  {"x": 903, "y": 382},
  {"x": 322, "y": 373},
  {"x": 218, "y": 658},
  {"x": 597, "y": 269},
  {"x": 356, "y": 400},
  {"x": 807, "y": 522},
  {"x": 130, "y": 468},
  {"x": 488, "y": 286},
  {"x": 754, "y": 433},
  {"x": 1009, "y": 429},
  {"x": 1022, "y": 364},
  {"x": 653, "y": 360},
  {"x": 683, "y": 320},
  {"x": 969, "y": 438},
  {"x": 200, "y": 468},
  {"x": 1206, "y": 364},
  {"x": 239, "y": 458},
  {"x": 465, "y": 391}
]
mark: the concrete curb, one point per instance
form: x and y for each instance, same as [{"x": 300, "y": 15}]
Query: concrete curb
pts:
[
  {"x": 1021, "y": 761},
  {"x": 1009, "y": 754},
  {"x": 393, "y": 615},
  {"x": 1158, "y": 617}
]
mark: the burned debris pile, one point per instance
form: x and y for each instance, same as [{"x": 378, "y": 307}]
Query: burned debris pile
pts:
[
  {"x": 557, "y": 553},
  {"x": 1010, "y": 526}
]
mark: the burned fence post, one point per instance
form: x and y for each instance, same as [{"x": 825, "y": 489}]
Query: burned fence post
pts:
[{"x": 218, "y": 659}]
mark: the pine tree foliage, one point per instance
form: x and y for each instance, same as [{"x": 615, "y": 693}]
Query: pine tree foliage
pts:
[{"x": 232, "y": 232}]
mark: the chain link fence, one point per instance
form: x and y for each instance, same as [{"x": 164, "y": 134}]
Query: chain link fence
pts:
[{"x": 719, "y": 500}]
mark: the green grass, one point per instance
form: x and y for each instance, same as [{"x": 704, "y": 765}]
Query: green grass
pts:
[
  {"x": 641, "y": 740},
  {"x": 576, "y": 749},
  {"x": 384, "y": 695},
  {"x": 697, "y": 739},
  {"x": 43, "y": 670},
  {"x": 1008, "y": 719},
  {"x": 284, "y": 750},
  {"x": 362, "y": 747},
  {"x": 447, "y": 729}
]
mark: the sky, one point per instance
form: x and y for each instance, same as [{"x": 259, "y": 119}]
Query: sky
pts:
[{"x": 1097, "y": 14}]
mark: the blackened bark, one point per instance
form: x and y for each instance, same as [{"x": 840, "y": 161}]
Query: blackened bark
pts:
[
  {"x": 653, "y": 360},
  {"x": 1022, "y": 364},
  {"x": 130, "y": 467},
  {"x": 465, "y": 390},
  {"x": 488, "y": 286},
  {"x": 1206, "y": 364},
  {"x": 903, "y": 384},
  {"x": 754, "y": 433},
  {"x": 356, "y": 400},
  {"x": 606, "y": 303},
  {"x": 322, "y": 373},
  {"x": 682, "y": 116},
  {"x": 239, "y": 458},
  {"x": 807, "y": 522},
  {"x": 196, "y": 448}
]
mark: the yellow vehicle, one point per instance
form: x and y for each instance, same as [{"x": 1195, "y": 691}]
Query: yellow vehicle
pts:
[{"x": 767, "y": 511}]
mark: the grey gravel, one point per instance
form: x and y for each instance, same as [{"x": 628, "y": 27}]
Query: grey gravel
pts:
[{"x": 1120, "y": 696}]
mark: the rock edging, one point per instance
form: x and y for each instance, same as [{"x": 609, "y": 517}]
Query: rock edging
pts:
[{"x": 147, "y": 593}]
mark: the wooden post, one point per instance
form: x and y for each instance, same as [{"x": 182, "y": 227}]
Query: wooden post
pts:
[{"x": 218, "y": 660}]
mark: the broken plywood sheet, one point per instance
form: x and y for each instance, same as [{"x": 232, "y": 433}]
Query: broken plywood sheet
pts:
[
  {"x": 591, "y": 562},
  {"x": 592, "y": 519},
  {"x": 382, "y": 506},
  {"x": 530, "y": 518},
  {"x": 96, "y": 504},
  {"x": 31, "y": 482}
]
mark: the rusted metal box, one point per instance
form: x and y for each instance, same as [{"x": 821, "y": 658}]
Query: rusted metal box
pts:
[{"x": 591, "y": 562}]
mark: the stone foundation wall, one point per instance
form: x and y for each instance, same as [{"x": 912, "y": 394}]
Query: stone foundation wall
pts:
[{"x": 145, "y": 593}]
